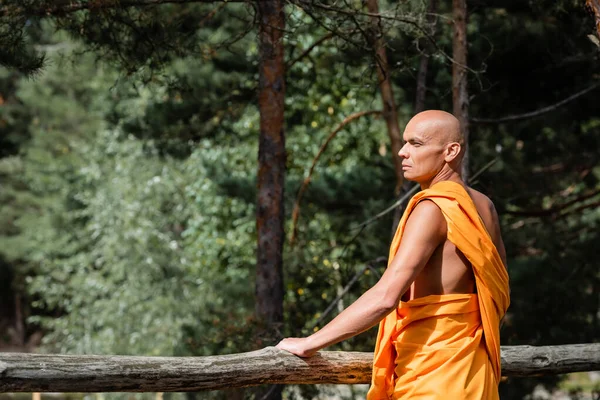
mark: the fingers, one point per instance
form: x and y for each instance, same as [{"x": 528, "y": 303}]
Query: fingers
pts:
[
  {"x": 287, "y": 346},
  {"x": 294, "y": 346}
]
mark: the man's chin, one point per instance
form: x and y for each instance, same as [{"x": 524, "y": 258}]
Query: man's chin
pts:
[{"x": 409, "y": 177}]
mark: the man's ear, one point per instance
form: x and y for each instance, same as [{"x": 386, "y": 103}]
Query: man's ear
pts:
[{"x": 452, "y": 151}]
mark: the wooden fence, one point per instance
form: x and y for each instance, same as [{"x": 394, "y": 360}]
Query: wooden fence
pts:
[{"x": 25, "y": 372}]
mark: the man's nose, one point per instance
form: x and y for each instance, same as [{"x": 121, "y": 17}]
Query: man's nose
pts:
[{"x": 403, "y": 153}]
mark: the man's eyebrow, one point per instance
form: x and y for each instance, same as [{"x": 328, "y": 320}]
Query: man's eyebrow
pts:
[{"x": 415, "y": 138}]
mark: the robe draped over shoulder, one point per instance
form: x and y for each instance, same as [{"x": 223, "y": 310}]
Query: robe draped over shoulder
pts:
[{"x": 446, "y": 346}]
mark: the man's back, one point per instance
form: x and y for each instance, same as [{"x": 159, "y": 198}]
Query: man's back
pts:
[{"x": 489, "y": 216}]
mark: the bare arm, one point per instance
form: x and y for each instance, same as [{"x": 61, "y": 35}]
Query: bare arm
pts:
[{"x": 425, "y": 230}]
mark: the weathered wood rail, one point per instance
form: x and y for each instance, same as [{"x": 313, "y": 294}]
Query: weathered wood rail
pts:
[{"x": 24, "y": 372}]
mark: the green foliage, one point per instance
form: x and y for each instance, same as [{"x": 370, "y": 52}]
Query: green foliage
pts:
[
  {"x": 16, "y": 50},
  {"x": 128, "y": 199}
]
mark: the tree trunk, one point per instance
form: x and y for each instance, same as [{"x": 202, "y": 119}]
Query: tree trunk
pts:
[
  {"x": 387, "y": 94},
  {"x": 594, "y": 6},
  {"x": 23, "y": 372},
  {"x": 426, "y": 48},
  {"x": 460, "y": 95},
  {"x": 271, "y": 175},
  {"x": 19, "y": 321}
]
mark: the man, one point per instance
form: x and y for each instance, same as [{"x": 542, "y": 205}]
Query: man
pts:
[{"x": 445, "y": 290}]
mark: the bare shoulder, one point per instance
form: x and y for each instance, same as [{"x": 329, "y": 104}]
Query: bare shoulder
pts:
[
  {"x": 481, "y": 199},
  {"x": 484, "y": 206},
  {"x": 426, "y": 216},
  {"x": 427, "y": 209}
]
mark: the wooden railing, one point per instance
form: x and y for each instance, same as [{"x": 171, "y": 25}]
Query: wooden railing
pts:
[{"x": 25, "y": 372}]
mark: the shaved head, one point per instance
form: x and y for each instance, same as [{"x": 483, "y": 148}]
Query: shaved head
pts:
[
  {"x": 438, "y": 125},
  {"x": 433, "y": 147}
]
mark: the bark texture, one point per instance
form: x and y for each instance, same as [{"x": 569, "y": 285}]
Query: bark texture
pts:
[
  {"x": 25, "y": 372},
  {"x": 271, "y": 166},
  {"x": 390, "y": 113},
  {"x": 426, "y": 48},
  {"x": 460, "y": 95},
  {"x": 594, "y": 6},
  {"x": 271, "y": 176},
  {"x": 549, "y": 360}
]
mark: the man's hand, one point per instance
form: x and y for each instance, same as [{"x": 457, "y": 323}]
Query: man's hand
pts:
[{"x": 297, "y": 346}]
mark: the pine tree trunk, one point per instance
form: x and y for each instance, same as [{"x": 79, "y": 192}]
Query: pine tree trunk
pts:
[
  {"x": 594, "y": 6},
  {"x": 460, "y": 95},
  {"x": 271, "y": 174},
  {"x": 426, "y": 48},
  {"x": 387, "y": 94}
]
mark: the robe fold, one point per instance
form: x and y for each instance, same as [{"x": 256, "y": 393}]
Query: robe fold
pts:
[{"x": 446, "y": 346}]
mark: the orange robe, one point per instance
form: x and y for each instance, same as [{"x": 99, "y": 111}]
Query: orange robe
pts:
[{"x": 446, "y": 346}]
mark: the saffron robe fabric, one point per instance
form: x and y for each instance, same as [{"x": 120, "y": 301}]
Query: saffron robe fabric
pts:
[{"x": 446, "y": 346}]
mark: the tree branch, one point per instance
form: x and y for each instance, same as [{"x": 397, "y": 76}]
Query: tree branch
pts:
[
  {"x": 308, "y": 50},
  {"x": 554, "y": 211},
  {"x": 69, "y": 7},
  {"x": 348, "y": 286},
  {"x": 582, "y": 207},
  {"x": 25, "y": 372},
  {"x": 211, "y": 14},
  {"x": 304, "y": 5},
  {"x": 335, "y": 31},
  {"x": 414, "y": 190},
  {"x": 296, "y": 212},
  {"x": 391, "y": 208},
  {"x": 538, "y": 112}
]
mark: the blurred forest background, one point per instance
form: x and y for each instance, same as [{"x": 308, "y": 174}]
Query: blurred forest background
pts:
[{"x": 133, "y": 199}]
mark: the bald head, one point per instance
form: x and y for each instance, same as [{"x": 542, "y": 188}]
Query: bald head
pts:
[
  {"x": 433, "y": 147},
  {"x": 437, "y": 125}
]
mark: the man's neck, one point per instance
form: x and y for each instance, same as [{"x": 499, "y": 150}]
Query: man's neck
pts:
[{"x": 443, "y": 175}]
